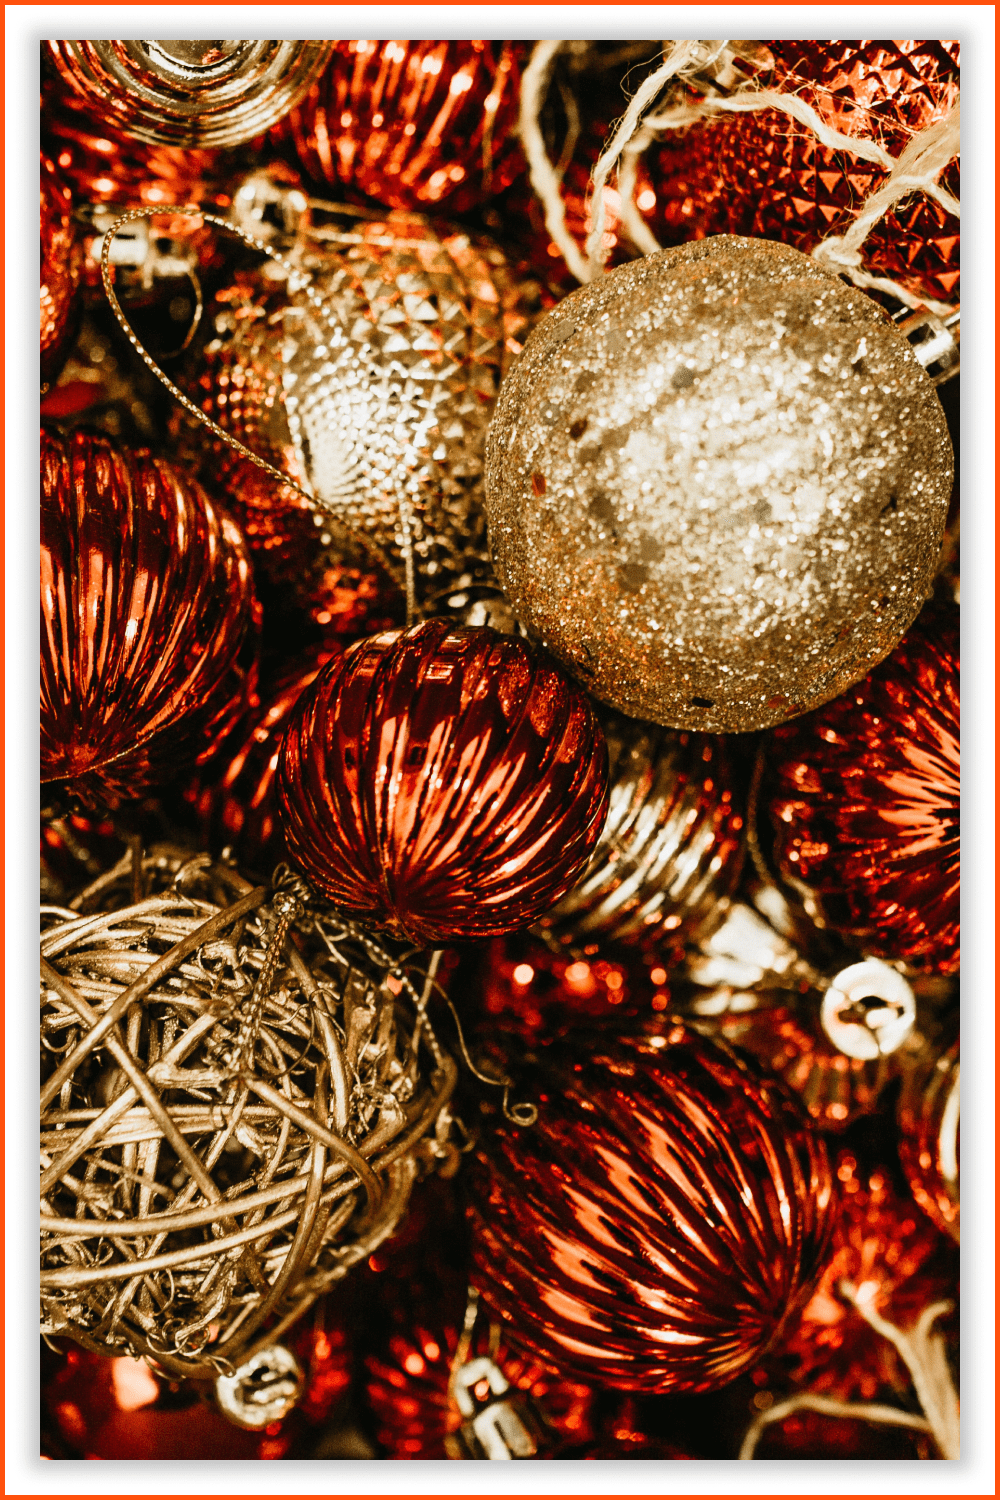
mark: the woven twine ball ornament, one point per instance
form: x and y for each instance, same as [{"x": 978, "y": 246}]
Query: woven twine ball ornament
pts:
[
  {"x": 235, "y": 1097},
  {"x": 376, "y": 400},
  {"x": 717, "y": 482},
  {"x": 670, "y": 854}
]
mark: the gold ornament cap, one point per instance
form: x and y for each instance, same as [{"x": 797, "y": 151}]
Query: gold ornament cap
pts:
[{"x": 716, "y": 485}]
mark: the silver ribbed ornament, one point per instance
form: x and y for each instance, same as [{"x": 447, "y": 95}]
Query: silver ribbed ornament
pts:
[{"x": 670, "y": 854}]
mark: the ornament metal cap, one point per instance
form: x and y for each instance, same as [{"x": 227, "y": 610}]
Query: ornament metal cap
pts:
[
  {"x": 190, "y": 93},
  {"x": 263, "y": 1390}
]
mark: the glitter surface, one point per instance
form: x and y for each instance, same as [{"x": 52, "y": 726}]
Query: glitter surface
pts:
[{"x": 717, "y": 483}]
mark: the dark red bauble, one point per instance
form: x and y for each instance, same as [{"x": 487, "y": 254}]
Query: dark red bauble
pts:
[
  {"x": 149, "y": 621},
  {"x": 899, "y": 1264},
  {"x": 662, "y": 1220},
  {"x": 413, "y": 124},
  {"x": 442, "y": 782},
  {"x": 929, "y": 1128},
  {"x": 866, "y": 805},
  {"x": 235, "y": 796},
  {"x": 59, "y": 282},
  {"x": 764, "y": 174}
]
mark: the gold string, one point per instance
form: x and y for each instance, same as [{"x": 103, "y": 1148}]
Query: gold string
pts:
[{"x": 300, "y": 283}]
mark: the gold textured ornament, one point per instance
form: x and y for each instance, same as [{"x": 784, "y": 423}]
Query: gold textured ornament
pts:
[
  {"x": 236, "y": 1092},
  {"x": 379, "y": 402},
  {"x": 717, "y": 483}
]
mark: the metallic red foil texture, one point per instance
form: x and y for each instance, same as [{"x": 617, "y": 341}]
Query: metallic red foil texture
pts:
[
  {"x": 658, "y": 1225},
  {"x": 444, "y": 783},
  {"x": 866, "y": 810},
  {"x": 764, "y": 174},
  {"x": 59, "y": 281},
  {"x": 413, "y": 124},
  {"x": 149, "y": 621}
]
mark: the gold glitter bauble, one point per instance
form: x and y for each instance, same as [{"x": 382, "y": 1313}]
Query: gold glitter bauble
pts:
[{"x": 717, "y": 481}]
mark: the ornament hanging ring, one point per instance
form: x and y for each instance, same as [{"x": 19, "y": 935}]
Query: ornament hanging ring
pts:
[{"x": 301, "y": 283}]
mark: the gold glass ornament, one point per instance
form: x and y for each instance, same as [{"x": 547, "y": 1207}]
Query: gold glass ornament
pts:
[
  {"x": 670, "y": 854},
  {"x": 376, "y": 400},
  {"x": 717, "y": 482},
  {"x": 189, "y": 93},
  {"x": 236, "y": 1092}
]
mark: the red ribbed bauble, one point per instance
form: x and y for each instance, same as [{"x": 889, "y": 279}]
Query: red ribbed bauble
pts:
[
  {"x": 766, "y": 175},
  {"x": 867, "y": 804},
  {"x": 413, "y": 124},
  {"x": 235, "y": 796},
  {"x": 899, "y": 1264},
  {"x": 149, "y": 621},
  {"x": 443, "y": 783},
  {"x": 59, "y": 281},
  {"x": 661, "y": 1221}
]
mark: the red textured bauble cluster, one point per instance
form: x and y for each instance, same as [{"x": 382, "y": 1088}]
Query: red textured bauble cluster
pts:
[
  {"x": 59, "y": 281},
  {"x": 413, "y": 124},
  {"x": 661, "y": 1221},
  {"x": 764, "y": 174},
  {"x": 149, "y": 621},
  {"x": 444, "y": 783},
  {"x": 866, "y": 810},
  {"x": 898, "y": 1263}
]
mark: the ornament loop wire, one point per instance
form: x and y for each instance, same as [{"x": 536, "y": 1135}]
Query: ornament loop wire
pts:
[{"x": 300, "y": 283}]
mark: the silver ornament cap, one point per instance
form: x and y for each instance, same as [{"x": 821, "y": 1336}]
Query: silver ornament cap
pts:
[
  {"x": 263, "y": 1390},
  {"x": 716, "y": 485}
]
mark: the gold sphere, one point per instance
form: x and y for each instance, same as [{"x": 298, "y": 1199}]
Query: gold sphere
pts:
[{"x": 717, "y": 481}]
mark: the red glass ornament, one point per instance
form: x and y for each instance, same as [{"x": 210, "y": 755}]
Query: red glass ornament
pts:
[
  {"x": 899, "y": 1264},
  {"x": 235, "y": 796},
  {"x": 764, "y": 174},
  {"x": 408, "y": 1388},
  {"x": 928, "y": 1118},
  {"x": 413, "y": 124},
  {"x": 866, "y": 811},
  {"x": 658, "y": 1225},
  {"x": 119, "y": 1408},
  {"x": 60, "y": 270},
  {"x": 811, "y": 1435},
  {"x": 445, "y": 783},
  {"x": 149, "y": 622},
  {"x": 74, "y": 850}
]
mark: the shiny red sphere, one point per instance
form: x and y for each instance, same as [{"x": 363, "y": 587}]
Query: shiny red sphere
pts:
[
  {"x": 413, "y": 124},
  {"x": 764, "y": 174},
  {"x": 866, "y": 803},
  {"x": 443, "y": 783},
  {"x": 59, "y": 281},
  {"x": 149, "y": 621},
  {"x": 658, "y": 1225}
]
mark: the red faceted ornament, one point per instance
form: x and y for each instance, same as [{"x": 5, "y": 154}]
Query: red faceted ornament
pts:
[
  {"x": 865, "y": 814},
  {"x": 662, "y": 1220},
  {"x": 60, "y": 270},
  {"x": 444, "y": 783},
  {"x": 413, "y": 124},
  {"x": 149, "y": 621},
  {"x": 897, "y": 1262},
  {"x": 235, "y": 796},
  {"x": 764, "y": 174}
]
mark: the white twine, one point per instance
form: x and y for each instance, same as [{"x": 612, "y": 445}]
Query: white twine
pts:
[
  {"x": 916, "y": 169},
  {"x": 924, "y": 1356}
]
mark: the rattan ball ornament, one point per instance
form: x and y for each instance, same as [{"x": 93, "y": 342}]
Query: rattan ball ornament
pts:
[
  {"x": 717, "y": 482},
  {"x": 235, "y": 1093}
]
